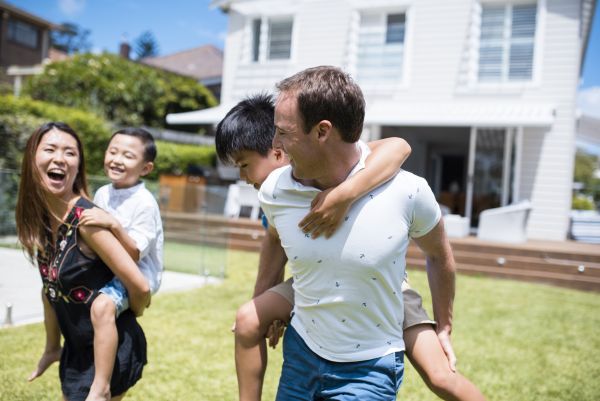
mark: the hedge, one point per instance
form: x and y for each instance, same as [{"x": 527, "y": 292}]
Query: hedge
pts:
[{"x": 19, "y": 117}]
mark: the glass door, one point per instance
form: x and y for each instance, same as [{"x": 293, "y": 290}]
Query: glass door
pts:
[{"x": 491, "y": 161}]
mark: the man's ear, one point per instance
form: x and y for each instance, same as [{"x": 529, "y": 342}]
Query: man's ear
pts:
[
  {"x": 324, "y": 128},
  {"x": 148, "y": 167}
]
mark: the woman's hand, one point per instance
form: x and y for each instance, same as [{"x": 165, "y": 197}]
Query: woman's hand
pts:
[
  {"x": 327, "y": 211},
  {"x": 47, "y": 359}
]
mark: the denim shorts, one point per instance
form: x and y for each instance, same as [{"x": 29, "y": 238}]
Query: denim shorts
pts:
[
  {"x": 307, "y": 376},
  {"x": 117, "y": 292}
]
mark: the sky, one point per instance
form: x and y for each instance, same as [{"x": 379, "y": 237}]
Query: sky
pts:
[
  {"x": 184, "y": 24},
  {"x": 177, "y": 24}
]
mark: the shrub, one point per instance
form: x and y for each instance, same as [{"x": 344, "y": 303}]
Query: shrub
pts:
[
  {"x": 582, "y": 202},
  {"x": 122, "y": 91},
  {"x": 175, "y": 158},
  {"x": 19, "y": 117}
]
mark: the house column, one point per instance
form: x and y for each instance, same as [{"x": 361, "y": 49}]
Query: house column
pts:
[{"x": 371, "y": 133}]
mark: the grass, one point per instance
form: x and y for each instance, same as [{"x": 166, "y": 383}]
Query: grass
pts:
[{"x": 516, "y": 341}]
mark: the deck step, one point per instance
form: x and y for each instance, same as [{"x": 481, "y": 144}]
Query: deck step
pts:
[{"x": 566, "y": 264}]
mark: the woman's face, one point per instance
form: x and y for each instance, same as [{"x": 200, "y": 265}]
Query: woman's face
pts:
[{"x": 57, "y": 160}]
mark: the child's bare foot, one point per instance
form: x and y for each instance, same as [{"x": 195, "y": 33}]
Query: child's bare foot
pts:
[{"x": 99, "y": 394}]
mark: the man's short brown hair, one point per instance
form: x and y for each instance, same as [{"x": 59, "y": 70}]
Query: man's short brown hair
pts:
[{"x": 328, "y": 93}]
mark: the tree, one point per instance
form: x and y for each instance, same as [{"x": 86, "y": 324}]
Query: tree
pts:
[
  {"x": 586, "y": 166},
  {"x": 71, "y": 38},
  {"x": 123, "y": 91},
  {"x": 146, "y": 45}
]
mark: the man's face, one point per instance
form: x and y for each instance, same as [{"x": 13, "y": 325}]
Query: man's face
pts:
[
  {"x": 300, "y": 147},
  {"x": 254, "y": 167}
]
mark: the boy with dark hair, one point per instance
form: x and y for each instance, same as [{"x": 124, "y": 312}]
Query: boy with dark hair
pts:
[{"x": 130, "y": 211}]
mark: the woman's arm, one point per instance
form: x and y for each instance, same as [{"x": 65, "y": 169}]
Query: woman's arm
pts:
[
  {"x": 330, "y": 206},
  {"x": 100, "y": 218},
  {"x": 110, "y": 250},
  {"x": 53, "y": 349}
]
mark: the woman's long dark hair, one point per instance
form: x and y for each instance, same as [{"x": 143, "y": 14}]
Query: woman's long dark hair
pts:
[{"x": 32, "y": 212}]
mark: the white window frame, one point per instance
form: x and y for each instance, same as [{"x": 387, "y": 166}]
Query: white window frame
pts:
[
  {"x": 384, "y": 8},
  {"x": 538, "y": 50},
  {"x": 263, "y": 43}
]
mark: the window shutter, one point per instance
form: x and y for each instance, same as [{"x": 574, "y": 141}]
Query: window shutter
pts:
[
  {"x": 506, "y": 42},
  {"x": 491, "y": 43},
  {"x": 280, "y": 40},
  {"x": 522, "y": 42},
  {"x": 380, "y": 49}
]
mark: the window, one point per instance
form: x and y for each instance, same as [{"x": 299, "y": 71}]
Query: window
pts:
[
  {"x": 280, "y": 40},
  {"x": 278, "y": 36},
  {"x": 506, "y": 42},
  {"x": 380, "y": 48},
  {"x": 395, "y": 28},
  {"x": 255, "y": 39},
  {"x": 23, "y": 33}
]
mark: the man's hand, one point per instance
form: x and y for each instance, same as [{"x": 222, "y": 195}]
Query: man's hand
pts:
[
  {"x": 327, "y": 210},
  {"x": 444, "y": 337},
  {"x": 274, "y": 333},
  {"x": 47, "y": 359},
  {"x": 98, "y": 217}
]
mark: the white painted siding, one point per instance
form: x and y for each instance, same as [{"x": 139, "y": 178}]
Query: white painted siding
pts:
[{"x": 438, "y": 39}]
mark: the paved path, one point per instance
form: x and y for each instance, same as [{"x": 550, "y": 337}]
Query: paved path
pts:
[{"x": 20, "y": 286}]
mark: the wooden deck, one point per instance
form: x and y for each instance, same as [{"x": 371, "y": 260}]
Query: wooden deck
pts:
[{"x": 564, "y": 263}]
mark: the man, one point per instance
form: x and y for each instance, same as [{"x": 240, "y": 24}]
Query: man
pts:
[{"x": 345, "y": 336}]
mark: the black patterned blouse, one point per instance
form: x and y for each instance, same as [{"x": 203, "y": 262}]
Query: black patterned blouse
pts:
[{"x": 71, "y": 282}]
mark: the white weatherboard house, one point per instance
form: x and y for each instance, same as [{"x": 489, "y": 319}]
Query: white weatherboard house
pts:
[{"x": 484, "y": 91}]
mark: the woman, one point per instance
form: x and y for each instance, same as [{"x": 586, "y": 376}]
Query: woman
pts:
[{"x": 75, "y": 262}]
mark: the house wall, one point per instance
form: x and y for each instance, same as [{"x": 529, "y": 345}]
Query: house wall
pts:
[
  {"x": 548, "y": 157},
  {"x": 437, "y": 45},
  {"x": 12, "y": 53}
]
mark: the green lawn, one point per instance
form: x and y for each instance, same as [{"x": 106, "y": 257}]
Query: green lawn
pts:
[{"x": 517, "y": 341}]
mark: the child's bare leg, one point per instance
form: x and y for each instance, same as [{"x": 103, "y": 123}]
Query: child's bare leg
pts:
[
  {"x": 251, "y": 324},
  {"x": 103, "y": 313},
  {"x": 428, "y": 358}
]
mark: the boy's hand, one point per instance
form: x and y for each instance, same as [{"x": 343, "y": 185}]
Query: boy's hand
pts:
[
  {"x": 98, "y": 217},
  {"x": 327, "y": 211},
  {"x": 274, "y": 333},
  {"x": 47, "y": 359}
]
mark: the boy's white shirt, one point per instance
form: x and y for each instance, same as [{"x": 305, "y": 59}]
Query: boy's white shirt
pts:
[
  {"x": 347, "y": 288},
  {"x": 137, "y": 211}
]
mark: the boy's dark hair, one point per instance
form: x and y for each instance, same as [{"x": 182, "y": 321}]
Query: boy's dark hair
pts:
[
  {"x": 249, "y": 125},
  {"x": 144, "y": 136},
  {"x": 328, "y": 93}
]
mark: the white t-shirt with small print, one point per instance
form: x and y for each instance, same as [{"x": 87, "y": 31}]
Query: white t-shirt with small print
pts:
[
  {"x": 137, "y": 211},
  {"x": 348, "y": 288}
]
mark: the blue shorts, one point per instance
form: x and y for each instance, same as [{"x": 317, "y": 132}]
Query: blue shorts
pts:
[
  {"x": 118, "y": 293},
  {"x": 307, "y": 376}
]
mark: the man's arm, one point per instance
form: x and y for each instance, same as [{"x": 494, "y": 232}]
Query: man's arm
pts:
[
  {"x": 330, "y": 206},
  {"x": 271, "y": 262},
  {"x": 441, "y": 271}
]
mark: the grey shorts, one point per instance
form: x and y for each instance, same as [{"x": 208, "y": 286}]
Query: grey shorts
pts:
[
  {"x": 414, "y": 313},
  {"x": 285, "y": 290}
]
